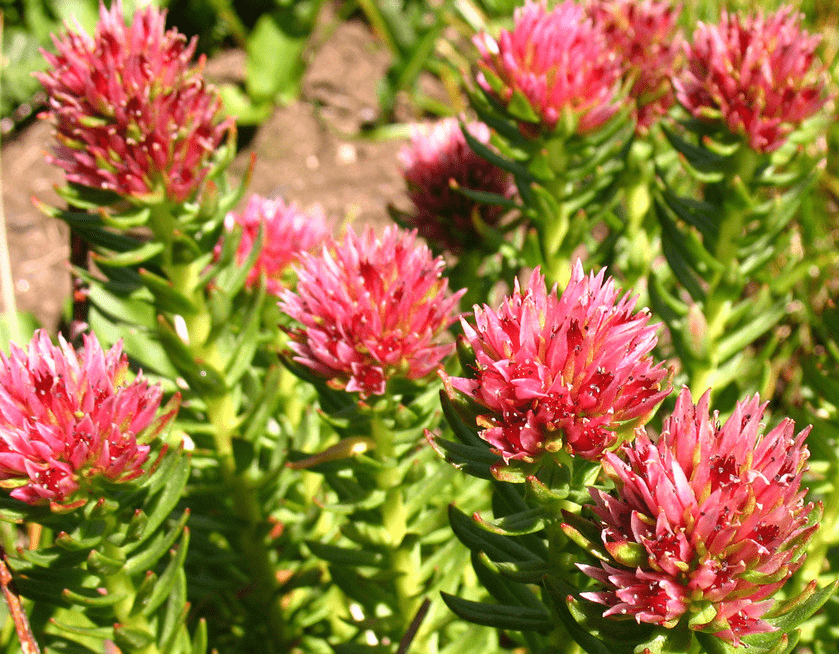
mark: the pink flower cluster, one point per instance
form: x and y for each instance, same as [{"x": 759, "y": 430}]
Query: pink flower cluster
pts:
[
  {"x": 437, "y": 158},
  {"x": 558, "y": 61},
  {"x": 68, "y": 418},
  {"x": 709, "y": 515},
  {"x": 758, "y": 75},
  {"x": 644, "y": 36},
  {"x": 370, "y": 309},
  {"x": 286, "y": 232},
  {"x": 131, "y": 115},
  {"x": 571, "y": 371}
]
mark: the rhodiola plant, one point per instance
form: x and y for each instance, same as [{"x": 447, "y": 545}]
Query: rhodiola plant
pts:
[
  {"x": 359, "y": 465},
  {"x": 700, "y": 532},
  {"x": 753, "y": 87},
  {"x": 97, "y": 481},
  {"x": 555, "y": 381},
  {"x": 552, "y": 91},
  {"x": 144, "y": 145},
  {"x": 462, "y": 204},
  {"x": 370, "y": 319}
]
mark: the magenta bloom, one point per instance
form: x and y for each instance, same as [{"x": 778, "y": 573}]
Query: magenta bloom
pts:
[
  {"x": 370, "y": 309},
  {"x": 757, "y": 75},
  {"x": 571, "y": 371},
  {"x": 67, "y": 419},
  {"x": 286, "y": 232},
  {"x": 131, "y": 115},
  {"x": 437, "y": 158},
  {"x": 709, "y": 516},
  {"x": 644, "y": 36},
  {"x": 557, "y": 61}
]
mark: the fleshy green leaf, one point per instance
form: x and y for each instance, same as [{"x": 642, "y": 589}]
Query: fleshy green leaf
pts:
[
  {"x": 478, "y": 539},
  {"x": 346, "y": 557},
  {"x": 703, "y": 164},
  {"x": 133, "y": 257},
  {"x": 166, "y": 296},
  {"x": 499, "y": 616}
]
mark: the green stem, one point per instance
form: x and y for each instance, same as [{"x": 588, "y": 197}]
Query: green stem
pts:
[
  {"x": 638, "y": 179},
  {"x": 555, "y": 222},
  {"x": 162, "y": 224},
  {"x": 557, "y": 476},
  {"x": 726, "y": 286},
  {"x": 561, "y": 563},
  {"x": 121, "y": 583},
  {"x": 222, "y": 416},
  {"x": 221, "y": 413},
  {"x": 404, "y": 554}
]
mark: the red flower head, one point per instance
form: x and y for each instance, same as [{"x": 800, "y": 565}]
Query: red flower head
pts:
[
  {"x": 644, "y": 37},
  {"x": 370, "y": 309},
  {"x": 131, "y": 115},
  {"x": 67, "y": 419},
  {"x": 756, "y": 75},
  {"x": 706, "y": 524},
  {"x": 286, "y": 232},
  {"x": 570, "y": 371},
  {"x": 557, "y": 61},
  {"x": 438, "y": 157}
]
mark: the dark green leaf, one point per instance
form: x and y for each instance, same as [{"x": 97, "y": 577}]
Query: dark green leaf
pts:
[
  {"x": 162, "y": 505},
  {"x": 474, "y": 460},
  {"x": 86, "y": 197},
  {"x": 104, "y": 565},
  {"x": 92, "y": 599},
  {"x": 203, "y": 379},
  {"x": 499, "y": 616},
  {"x": 132, "y": 638},
  {"x": 516, "y": 524},
  {"x": 702, "y": 163},
  {"x": 166, "y": 581},
  {"x": 697, "y": 213},
  {"x": 154, "y": 548},
  {"x": 478, "y": 539},
  {"x": 166, "y": 296},
  {"x": 484, "y": 151},
  {"x": 735, "y": 341},
  {"x": 678, "y": 260},
  {"x": 247, "y": 342},
  {"x": 346, "y": 557},
  {"x": 133, "y": 257},
  {"x": 790, "y": 614}
]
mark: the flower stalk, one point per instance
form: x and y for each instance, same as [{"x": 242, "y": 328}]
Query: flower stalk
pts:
[
  {"x": 554, "y": 85},
  {"x": 722, "y": 247},
  {"x": 736, "y": 191}
]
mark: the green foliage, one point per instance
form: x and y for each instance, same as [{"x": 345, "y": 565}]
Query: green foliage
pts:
[
  {"x": 275, "y": 44},
  {"x": 728, "y": 290},
  {"x": 114, "y": 569},
  {"x": 388, "y": 552},
  {"x": 304, "y": 519}
]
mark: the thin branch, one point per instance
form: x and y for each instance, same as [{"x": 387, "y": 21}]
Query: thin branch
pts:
[
  {"x": 28, "y": 644},
  {"x": 413, "y": 628}
]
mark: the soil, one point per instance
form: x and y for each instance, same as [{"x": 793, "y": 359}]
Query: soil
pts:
[{"x": 309, "y": 152}]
